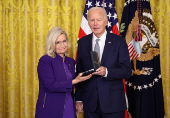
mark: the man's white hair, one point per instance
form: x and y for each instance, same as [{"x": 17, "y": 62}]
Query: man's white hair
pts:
[{"x": 98, "y": 8}]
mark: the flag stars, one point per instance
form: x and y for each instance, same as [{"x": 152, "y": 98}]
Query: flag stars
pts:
[
  {"x": 125, "y": 4},
  {"x": 128, "y": 1},
  {"x": 139, "y": 88},
  {"x": 104, "y": 5},
  {"x": 89, "y": 4},
  {"x": 156, "y": 80},
  {"x": 109, "y": 15},
  {"x": 130, "y": 84},
  {"x": 87, "y": 12},
  {"x": 134, "y": 87},
  {"x": 109, "y": 24},
  {"x": 110, "y": 5},
  {"x": 145, "y": 86},
  {"x": 115, "y": 16},
  {"x": 150, "y": 85},
  {"x": 97, "y": 4}
]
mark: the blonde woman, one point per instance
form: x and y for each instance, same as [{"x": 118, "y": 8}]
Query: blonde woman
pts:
[{"x": 56, "y": 73}]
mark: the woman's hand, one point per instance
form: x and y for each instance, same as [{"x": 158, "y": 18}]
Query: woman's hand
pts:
[{"x": 81, "y": 78}]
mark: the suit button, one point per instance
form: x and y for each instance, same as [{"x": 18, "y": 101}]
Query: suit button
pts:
[{"x": 96, "y": 88}]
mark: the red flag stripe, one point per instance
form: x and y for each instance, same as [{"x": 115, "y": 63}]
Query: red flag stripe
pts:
[
  {"x": 115, "y": 30},
  {"x": 81, "y": 33},
  {"x": 137, "y": 55},
  {"x": 130, "y": 47},
  {"x": 133, "y": 53},
  {"x": 131, "y": 50},
  {"x": 85, "y": 26}
]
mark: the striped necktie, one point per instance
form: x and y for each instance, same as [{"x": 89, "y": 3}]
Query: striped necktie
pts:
[{"x": 97, "y": 47}]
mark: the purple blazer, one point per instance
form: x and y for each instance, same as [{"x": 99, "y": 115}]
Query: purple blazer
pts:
[{"x": 53, "y": 86}]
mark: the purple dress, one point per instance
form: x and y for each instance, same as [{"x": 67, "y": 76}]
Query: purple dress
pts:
[
  {"x": 69, "y": 108},
  {"x": 55, "y": 99}
]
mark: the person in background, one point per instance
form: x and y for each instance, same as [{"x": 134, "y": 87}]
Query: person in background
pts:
[
  {"x": 56, "y": 73},
  {"x": 103, "y": 95}
]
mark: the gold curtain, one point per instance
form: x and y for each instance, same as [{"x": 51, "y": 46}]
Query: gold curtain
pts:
[
  {"x": 24, "y": 25},
  {"x": 161, "y": 15}
]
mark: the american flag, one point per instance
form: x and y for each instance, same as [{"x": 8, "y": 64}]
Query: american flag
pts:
[
  {"x": 109, "y": 5},
  {"x": 112, "y": 24},
  {"x": 132, "y": 52}
]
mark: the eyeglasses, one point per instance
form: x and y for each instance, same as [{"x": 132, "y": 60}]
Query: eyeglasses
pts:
[{"x": 64, "y": 42}]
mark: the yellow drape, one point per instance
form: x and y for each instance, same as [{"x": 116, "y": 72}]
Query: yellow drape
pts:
[{"x": 24, "y": 25}]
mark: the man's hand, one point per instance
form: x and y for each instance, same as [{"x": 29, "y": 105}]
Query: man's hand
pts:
[
  {"x": 79, "y": 107},
  {"x": 100, "y": 71}
]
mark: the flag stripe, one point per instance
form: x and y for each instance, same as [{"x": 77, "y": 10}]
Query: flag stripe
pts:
[
  {"x": 81, "y": 33},
  {"x": 85, "y": 27}
]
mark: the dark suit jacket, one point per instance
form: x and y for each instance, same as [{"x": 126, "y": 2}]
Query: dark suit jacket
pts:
[
  {"x": 53, "y": 86},
  {"x": 109, "y": 90}
]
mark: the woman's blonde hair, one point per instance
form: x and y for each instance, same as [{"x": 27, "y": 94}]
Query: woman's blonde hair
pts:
[{"x": 51, "y": 38}]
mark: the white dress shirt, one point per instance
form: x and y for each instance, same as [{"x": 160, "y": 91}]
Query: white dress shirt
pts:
[{"x": 101, "y": 44}]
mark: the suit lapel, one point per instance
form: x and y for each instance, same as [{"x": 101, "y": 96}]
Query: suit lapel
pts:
[
  {"x": 108, "y": 43},
  {"x": 89, "y": 43}
]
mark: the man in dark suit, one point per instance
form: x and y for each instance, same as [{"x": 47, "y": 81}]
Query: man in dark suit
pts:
[{"x": 103, "y": 95}]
